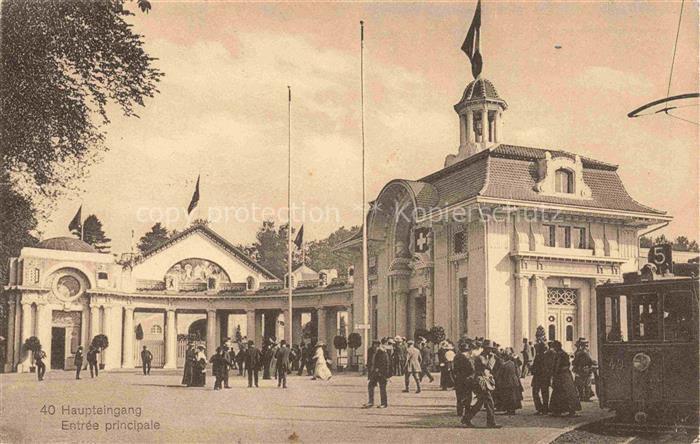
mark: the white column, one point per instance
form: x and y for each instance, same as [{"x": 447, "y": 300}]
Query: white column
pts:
[
  {"x": 211, "y": 332},
  {"x": 470, "y": 126},
  {"x": 462, "y": 130},
  {"x": 94, "y": 322},
  {"x": 128, "y": 344},
  {"x": 43, "y": 330},
  {"x": 497, "y": 128},
  {"x": 11, "y": 340},
  {"x": 322, "y": 331},
  {"x": 25, "y": 333},
  {"x": 112, "y": 352},
  {"x": 171, "y": 340},
  {"x": 522, "y": 310},
  {"x": 484, "y": 126},
  {"x": 538, "y": 303},
  {"x": 85, "y": 328},
  {"x": 287, "y": 320},
  {"x": 250, "y": 326}
]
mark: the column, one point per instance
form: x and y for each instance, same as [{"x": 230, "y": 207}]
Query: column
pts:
[
  {"x": 538, "y": 303},
  {"x": 128, "y": 344},
  {"x": 593, "y": 317},
  {"x": 10, "y": 352},
  {"x": 43, "y": 330},
  {"x": 171, "y": 340},
  {"x": 401, "y": 316},
  {"x": 94, "y": 322},
  {"x": 84, "y": 327},
  {"x": 462, "y": 130},
  {"x": 250, "y": 325},
  {"x": 110, "y": 354},
  {"x": 522, "y": 328},
  {"x": 582, "y": 313},
  {"x": 296, "y": 327},
  {"x": 470, "y": 126},
  {"x": 322, "y": 331},
  {"x": 25, "y": 333},
  {"x": 211, "y": 332},
  {"x": 484, "y": 125},
  {"x": 497, "y": 129}
]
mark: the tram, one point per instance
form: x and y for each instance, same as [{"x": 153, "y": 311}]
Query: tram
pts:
[{"x": 648, "y": 350}]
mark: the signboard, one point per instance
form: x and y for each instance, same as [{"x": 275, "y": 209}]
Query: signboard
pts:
[
  {"x": 362, "y": 327},
  {"x": 662, "y": 257}
]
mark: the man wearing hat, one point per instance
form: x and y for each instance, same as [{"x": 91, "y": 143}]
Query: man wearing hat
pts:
[
  {"x": 78, "y": 361},
  {"x": 412, "y": 366},
  {"x": 379, "y": 375},
  {"x": 252, "y": 363},
  {"x": 485, "y": 385},
  {"x": 583, "y": 370},
  {"x": 463, "y": 370},
  {"x": 426, "y": 360}
]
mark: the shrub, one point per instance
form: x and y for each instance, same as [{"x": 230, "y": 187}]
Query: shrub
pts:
[
  {"x": 32, "y": 344},
  {"x": 436, "y": 334},
  {"x": 100, "y": 341},
  {"x": 421, "y": 333},
  {"x": 340, "y": 342},
  {"x": 355, "y": 340}
]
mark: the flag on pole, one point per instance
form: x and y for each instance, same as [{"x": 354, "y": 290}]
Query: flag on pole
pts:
[
  {"x": 299, "y": 240},
  {"x": 77, "y": 223},
  {"x": 471, "y": 43},
  {"x": 195, "y": 198}
]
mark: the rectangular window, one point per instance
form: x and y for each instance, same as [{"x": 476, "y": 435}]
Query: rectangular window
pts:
[
  {"x": 458, "y": 243},
  {"x": 678, "y": 316},
  {"x": 616, "y": 319},
  {"x": 549, "y": 235},
  {"x": 645, "y": 317},
  {"x": 102, "y": 275},
  {"x": 578, "y": 238},
  {"x": 563, "y": 237}
]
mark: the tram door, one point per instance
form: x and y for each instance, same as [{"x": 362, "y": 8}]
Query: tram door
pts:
[{"x": 561, "y": 317}]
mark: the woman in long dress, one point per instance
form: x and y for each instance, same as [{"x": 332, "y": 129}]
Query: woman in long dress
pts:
[
  {"x": 564, "y": 395},
  {"x": 199, "y": 375},
  {"x": 509, "y": 392},
  {"x": 321, "y": 370}
]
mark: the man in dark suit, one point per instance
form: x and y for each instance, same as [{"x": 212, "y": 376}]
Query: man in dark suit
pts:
[
  {"x": 227, "y": 354},
  {"x": 92, "y": 361},
  {"x": 282, "y": 358},
  {"x": 146, "y": 358},
  {"x": 78, "y": 361},
  {"x": 379, "y": 375},
  {"x": 463, "y": 370},
  {"x": 218, "y": 367},
  {"x": 542, "y": 370},
  {"x": 39, "y": 357},
  {"x": 252, "y": 363},
  {"x": 483, "y": 364}
]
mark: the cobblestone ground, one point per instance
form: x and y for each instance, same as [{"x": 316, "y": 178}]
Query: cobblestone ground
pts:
[{"x": 308, "y": 411}]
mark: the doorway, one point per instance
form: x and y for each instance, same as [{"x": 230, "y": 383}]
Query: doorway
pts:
[{"x": 58, "y": 347}]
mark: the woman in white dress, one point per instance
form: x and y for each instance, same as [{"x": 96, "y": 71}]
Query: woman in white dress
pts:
[{"x": 321, "y": 370}]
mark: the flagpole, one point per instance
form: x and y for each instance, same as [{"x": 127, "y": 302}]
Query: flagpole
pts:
[
  {"x": 289, "y": 215},
  {"x": 365, "y": 260},
  {"x": 82, "y": 233}
]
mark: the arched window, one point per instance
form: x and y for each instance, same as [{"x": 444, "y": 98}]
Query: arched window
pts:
[
  {"x": 564, "y": 181},
  {"x": 250, "y": 283},
  {"x": 156, "y": 329},
  {"x": 552, "y": 332},
  {"x": 569, "y": 333}
]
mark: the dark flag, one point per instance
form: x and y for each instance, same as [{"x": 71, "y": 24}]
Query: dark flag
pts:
[
  {"x": 471, "y": 43},
  {"x": 77, "y": 223},
  {"x": 195, "y": 198},
  {"x": 300, "y": 237}
]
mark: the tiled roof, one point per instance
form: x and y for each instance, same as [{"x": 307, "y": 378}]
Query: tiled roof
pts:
[
  {"x": 510, "y": 172},
  {"x": 66, "y": 243},
  {"x": 480, "y": 89}
]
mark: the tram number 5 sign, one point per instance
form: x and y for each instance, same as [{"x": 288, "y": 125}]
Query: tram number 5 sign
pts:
[{"x": 661, "y": 256}]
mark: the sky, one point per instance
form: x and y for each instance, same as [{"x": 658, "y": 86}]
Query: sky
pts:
[{"x": 222, "y": 111}]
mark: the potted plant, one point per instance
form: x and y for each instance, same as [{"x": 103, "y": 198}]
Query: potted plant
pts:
[
  {"x": 340, "y": 343},
  {"x": 354, "y": 342},
  {"x": 100, "y": 342},
  {"x": 32, "y": 345}
]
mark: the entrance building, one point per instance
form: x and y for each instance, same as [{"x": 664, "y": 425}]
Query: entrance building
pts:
[{"x": 195, "y": 287}]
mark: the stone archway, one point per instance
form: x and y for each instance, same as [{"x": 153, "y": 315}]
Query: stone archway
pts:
[{"x": 198, "y": 330}]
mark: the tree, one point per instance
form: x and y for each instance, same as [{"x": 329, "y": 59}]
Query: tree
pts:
[
  {"x": 17, "y": 223},
  {"x": 340, "y": 343},
  {"x": 63, "y": 63},
  {"x": 645, "y": 242},
  {"x": 238, "y": 337},
  {"x": 93, "y": 234},
  {"x": 139, "y": 332},
  {"x": 436, "y": 335},
  {"x": 100, "y": 341},
  {"x": 152, "y": 239},
  {"x": 320, "y": 254},
  {"x": 270, "y": 248}
]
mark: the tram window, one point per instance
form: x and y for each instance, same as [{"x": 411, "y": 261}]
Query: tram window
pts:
[
  {"x": 678, "y": 316},
  {"x": 616, "y": 318},
  {"x": 645, "y": 317}
]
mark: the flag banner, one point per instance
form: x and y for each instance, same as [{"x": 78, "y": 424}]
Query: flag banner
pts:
[
  {"x": 421, "y": 238},
  {"x": 300, "y": 237},
  {"x": 77, "y": 223},
  {"x": 195, "y": 198},
  {"x": 471, "y": 43}
]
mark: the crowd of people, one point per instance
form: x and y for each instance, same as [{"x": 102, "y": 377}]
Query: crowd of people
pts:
[
  {"x": 275, "y": 360},
  {"x": 485, "y": 375}
]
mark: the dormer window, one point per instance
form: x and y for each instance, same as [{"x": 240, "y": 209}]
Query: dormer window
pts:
[{"x": 564, "y": 181}]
